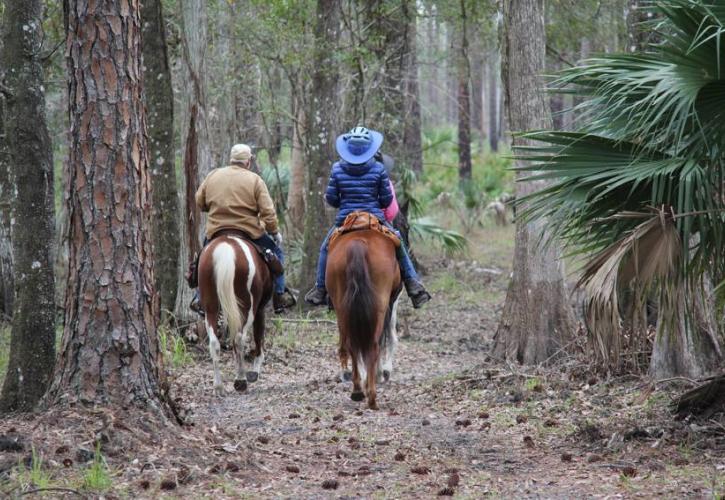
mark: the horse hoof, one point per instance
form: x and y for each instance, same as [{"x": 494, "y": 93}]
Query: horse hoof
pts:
[
  {"x": 240, "y": 385},
  {"x": 252, "y": 376},
  {"x": 219, "y": 390},
  {"x": 346, "y": 376},
  {"x": 373, "y": 406},
  {"x": 357, "y": 396},
  {"x": 386, "y": 375}
]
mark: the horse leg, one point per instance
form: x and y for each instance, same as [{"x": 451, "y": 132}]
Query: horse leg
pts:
[
  {"x": 345, "y": 375},
  {"x": 240, "y": 342},
  {"x": 258, "y": 352},
  {"x": 214, "y": 350},
  {"x": 371, "y": 362},
  {"x": 357, "y": 392},
  {"x": 387, "y": 357}
]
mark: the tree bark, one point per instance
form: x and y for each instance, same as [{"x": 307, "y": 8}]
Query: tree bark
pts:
[
  {"x": 296, "y": 194},
  {"x": 30, "y": 154},
  {"x": 6, "y": 253},
  {"x": 464, "y": 99},
  {"x": 412, "y": 141},
  {"x": 197, "y": 158},
  {"x": 319, "y": 134},
  {"x": 159, "y": 101},
  {"x": 493, "y": 101},
  {"x": 110, "y": 352},
  {"x": 536, "y": 319},
  {"x": 685, "y": 345}
]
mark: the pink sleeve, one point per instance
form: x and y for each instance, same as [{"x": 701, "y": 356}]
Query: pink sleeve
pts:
[{"x": 393, "y": 208}]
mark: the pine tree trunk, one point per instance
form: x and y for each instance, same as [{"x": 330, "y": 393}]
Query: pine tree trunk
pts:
[
  {"x": 160, "y": 106},
  {"x": 464, "y": 99},
  {"x": 296, "y": 194},
  {"x": 493, "y": 101},
  {"x": 30, "y": 155},
  {"x": 319, "y": 135},
  {"x": 110, "y": 352},
  {"x": 536, "y": 319},
  {"x": 6, "y": 253},
  {"x": 197, "y": 157},
  {"x": 412, "y": 141},
  {"x": 477, "y": 93}
]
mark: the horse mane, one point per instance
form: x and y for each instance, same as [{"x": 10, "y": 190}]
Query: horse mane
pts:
[{"x": 359, "y": 300}]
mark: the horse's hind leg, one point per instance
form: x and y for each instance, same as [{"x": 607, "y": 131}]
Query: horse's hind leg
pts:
[
  {"x": 345, "y": 374},
  {"x": 357, "y": 392},
  {"x": 371, "y": 363},
  {"x": 240, "y": 342},
  {"x": 214, "y": 350},
  {"x": 387, "y": 356},
  {"x": 257, "y": 354}
]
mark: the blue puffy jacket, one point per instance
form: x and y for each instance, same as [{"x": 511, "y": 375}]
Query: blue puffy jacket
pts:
[{"x": 358, "y": 187}]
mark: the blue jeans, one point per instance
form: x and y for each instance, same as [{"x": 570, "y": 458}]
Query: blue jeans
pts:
[
  {"x": 407, "y": 269},
  {"x": 266, "y": 241}
]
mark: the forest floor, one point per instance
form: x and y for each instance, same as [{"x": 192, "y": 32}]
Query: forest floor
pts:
[{"x": 452, "y": 421}]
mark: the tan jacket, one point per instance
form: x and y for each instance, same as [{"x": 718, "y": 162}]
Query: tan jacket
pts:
[{"x": 236, "y": 198}]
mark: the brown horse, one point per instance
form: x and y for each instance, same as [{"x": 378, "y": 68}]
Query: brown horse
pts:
[
  {"x": 235, "y": 280},
  {"x": 363, "y": 282}
]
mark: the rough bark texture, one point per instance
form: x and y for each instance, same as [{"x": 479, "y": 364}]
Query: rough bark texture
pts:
[
  {"x": 6, "y": 253},
  {"x": 389, "y": 40},
  {"x": 319, "y": 134},
  {"x": 110, "y": 353},
  {"x": 30, "y": 154},
  {"x": 464, "y": 98},
  {"x": 197, "y": 160},
  {"x": 160, "y": 113},
  {"x": 536, "y": 319},
  {"x": 412, "y": 140},
  {"x": 681, "y": 347},
  {"x": 296, "y": 194}
]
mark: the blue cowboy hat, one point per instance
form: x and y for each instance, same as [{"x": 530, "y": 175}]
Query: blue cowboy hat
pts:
[{"x": 359, "y": 145}]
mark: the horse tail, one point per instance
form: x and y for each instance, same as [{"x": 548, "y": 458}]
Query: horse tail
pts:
[
  {"x": 224, "y": 271},
  {"x": 359, "y": 301}
]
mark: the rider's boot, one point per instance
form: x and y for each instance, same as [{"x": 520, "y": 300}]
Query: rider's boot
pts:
[
  {"x": 195, "y": 304},
  {"x": 284, "y": 300},
  {"x": 417, "y": 292},
  {"x": 317, "y": 296}
]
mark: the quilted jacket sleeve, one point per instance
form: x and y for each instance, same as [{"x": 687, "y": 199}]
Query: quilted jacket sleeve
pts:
[
  {"x": 385, "y": 194},
  {"x": 332, "y": 194}
]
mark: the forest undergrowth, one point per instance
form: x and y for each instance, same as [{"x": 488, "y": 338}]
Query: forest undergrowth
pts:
[{"x": 453, "y": 421}]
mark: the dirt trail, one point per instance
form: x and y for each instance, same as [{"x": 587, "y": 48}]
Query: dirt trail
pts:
[{"x": 450, "y": 421}]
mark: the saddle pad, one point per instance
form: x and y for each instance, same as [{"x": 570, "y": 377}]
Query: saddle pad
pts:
[
  {"x": 363, "y": 221},
  {"x": 275, "y": 266}
]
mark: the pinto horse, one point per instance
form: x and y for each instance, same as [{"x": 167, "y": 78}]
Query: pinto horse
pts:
[
  {"x": 363, "y": 283},
  {"x": 235, "y": 280}
]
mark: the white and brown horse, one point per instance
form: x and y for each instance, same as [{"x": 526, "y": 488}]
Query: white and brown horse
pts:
[
  {"x": 363, "y": 281},
  {"x": 235, "y": 280}
]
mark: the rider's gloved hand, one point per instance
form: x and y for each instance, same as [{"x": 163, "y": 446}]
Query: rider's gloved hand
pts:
[{"x": 277, "y": 237}]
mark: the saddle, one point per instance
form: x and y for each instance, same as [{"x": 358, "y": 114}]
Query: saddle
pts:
[
  {"x": 273, "y": 263},
  {"x": 363, "y": 221}
]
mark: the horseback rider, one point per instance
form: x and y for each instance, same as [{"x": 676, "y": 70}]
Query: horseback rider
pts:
[
  {"x": 358, "y": 182},
  {"x": 236, "y": 198}
]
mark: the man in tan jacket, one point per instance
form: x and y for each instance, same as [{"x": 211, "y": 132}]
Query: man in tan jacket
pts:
[{"x": 236, "y": 198}]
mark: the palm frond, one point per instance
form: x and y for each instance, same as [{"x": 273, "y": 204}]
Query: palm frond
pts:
[
  {"x": 650, "y": 251},
  {"x": 427, "y": 228}
]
